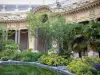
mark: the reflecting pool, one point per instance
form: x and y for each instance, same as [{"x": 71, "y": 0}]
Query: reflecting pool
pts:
[{"x": 25, "y": 70}]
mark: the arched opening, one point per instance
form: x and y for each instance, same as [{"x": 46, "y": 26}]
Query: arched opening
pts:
[{"x": 23, "y": 39}]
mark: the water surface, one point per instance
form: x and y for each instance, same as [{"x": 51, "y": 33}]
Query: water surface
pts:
[{"x": 25, "y": 70}]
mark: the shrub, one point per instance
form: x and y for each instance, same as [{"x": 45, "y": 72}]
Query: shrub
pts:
[
  {"x": 78, "y": 66},
  {"x": 91, "y": 60},
  {"x": 70, "y": 59},
  {"x": 5, "y": 58},
  {"x": 8, "y": 44},
  {"x": 11, "y": 46},
  {"x": 2, "y": 45},
  {"x": 26, "y": 59},
  {"x": 80, "y": 73},
  {"x": 22, "y": 56},
  {"x": 16, "y": 55},
  {"x": 53, "y": 59},
  {"x": 53, "y": 50},
  {"x": 8, "y": 52},
  {"x": 85, "y": 66},
  {"x": 30, "y": 49},
  {"x": 30, "y": 56},
  {"x": 97, "y": 66},
  {"x": 1, "y": 54},
  {"x": 89, "y": 73}
]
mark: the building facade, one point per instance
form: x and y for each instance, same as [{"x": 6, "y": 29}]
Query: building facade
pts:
[{"x": 13, "y": 18}]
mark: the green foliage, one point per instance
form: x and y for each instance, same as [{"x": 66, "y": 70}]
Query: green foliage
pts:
[
  {"x": 30, "y": 56},
  {"x": 21, "y": 56},
  {"x": 92, "y": 34},
  {"x": 8, "y": 48},
  {"x": 2, "y": 44},
  {"x": 40, "y": 28},
  {"x": 35, "y": 22},
  {"x": 78, "y": 66},
  {"x": 8, "y": 52},
  {"x": 5, "y": 58},
  {"x": 52, "y": 49},
  {"x": 80, "y": 73},
  {"x": 30, "y": 49},
  {"x": 91, "y": 60},
  {"x": 53, "y": 59},
  {"x": 16, "y": 55},
  {"x": 84, "y": 66},
  {"x": 68, "y": 36},
  {"x": 55, "y": 28},
  {"x": 1, "y": 54},
  {"x": 10, "y": 45},
  {"x": 26, "y": 59}
]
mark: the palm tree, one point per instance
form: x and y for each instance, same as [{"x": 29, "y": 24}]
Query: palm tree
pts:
[
  {"x": 79, "y": 42},
  {"x": 92, "y": 34}
]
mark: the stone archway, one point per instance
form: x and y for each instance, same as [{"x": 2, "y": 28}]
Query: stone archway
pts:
[{"x": 40, "y": 44}]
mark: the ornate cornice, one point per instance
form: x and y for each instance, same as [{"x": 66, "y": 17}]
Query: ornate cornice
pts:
[
  {"x": 10, "y": 17},
  {"x": 83, "y": 7},
  {"x": 20, "y": 16}
]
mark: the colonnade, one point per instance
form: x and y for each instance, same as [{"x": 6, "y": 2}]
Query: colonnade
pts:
[{"x": 18, "y": 36}]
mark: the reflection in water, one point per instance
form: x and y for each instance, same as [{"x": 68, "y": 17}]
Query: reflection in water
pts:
[{"x": 24, "y": 70}]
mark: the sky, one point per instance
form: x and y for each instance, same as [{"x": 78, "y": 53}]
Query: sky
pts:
[{"x": 28, "y": 1}]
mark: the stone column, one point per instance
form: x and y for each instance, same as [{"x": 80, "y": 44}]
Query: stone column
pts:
[
  {"x": 16, "y": 36},
  {"x": 3, "y": 35},
  {"x": 6, "y": 35},
  {"x": 28, "y": 39},
  {"x": 35, "y": 45},
  {"x": 18, "y": 39},
  {"x": 36, "y": 40}
]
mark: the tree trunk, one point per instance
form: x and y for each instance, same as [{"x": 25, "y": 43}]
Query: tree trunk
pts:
[
  {"x": 60, "y": 48},
  {"x": 69, "y": 46},
  {"x": 99, "y": 54},
  {"x": 69, "y": 49},
  {"x": 80, "y": 55}
]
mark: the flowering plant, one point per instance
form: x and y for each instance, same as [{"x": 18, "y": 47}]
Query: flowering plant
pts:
[{"x": 97, "y": 66}]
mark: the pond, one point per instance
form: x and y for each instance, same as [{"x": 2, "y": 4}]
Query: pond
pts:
[{"x": 25, "y": 70}]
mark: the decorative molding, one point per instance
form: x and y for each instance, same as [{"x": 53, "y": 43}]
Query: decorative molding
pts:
[
  {"x": 83, "y": 7},
  {"x": 42, "y": 8},
  {"x": 92, "y": 13}
]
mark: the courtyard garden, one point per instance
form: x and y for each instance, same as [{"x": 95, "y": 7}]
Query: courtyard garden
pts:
[{"x": 68, "y": 37}]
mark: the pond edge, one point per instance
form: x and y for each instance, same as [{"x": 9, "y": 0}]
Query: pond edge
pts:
[{"x": 61, "y": 69}]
